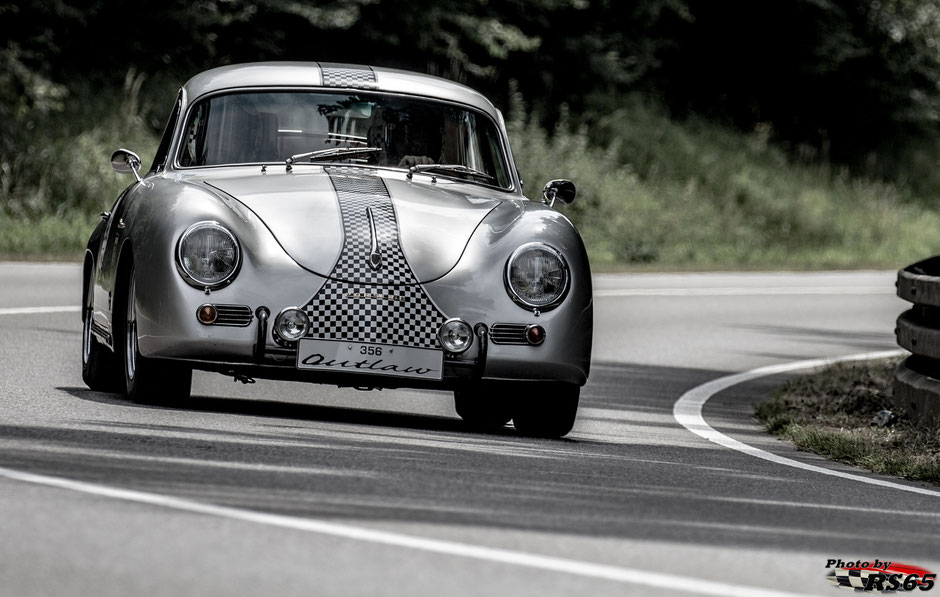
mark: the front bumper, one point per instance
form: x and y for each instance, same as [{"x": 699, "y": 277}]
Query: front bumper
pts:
[
  {"x": 484, "y": 360},
  {"x": 280, "y": 362}
]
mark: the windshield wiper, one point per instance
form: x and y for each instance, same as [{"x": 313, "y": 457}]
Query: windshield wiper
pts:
[
  {"x": 332, "y": 152},
  {"x": 450, "y": 168}
]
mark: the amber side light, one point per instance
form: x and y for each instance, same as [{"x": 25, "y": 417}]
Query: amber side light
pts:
[
  {"x": 535, "y": 334},
  {"x": 207, "y": 314}
]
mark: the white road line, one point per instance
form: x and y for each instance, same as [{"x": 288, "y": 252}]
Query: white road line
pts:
[
  {"x": 746, "y": 291},
  {"x": 632, "y": 576},
  {"x": 688, "y": 412},
  {"x": 35, "y": 310},
  {"x": 15, "y": 445}
]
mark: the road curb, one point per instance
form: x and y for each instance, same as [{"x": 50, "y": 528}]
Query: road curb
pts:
[{"x": 687, "y": 411}]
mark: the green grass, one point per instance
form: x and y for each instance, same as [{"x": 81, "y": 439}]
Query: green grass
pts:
[
  {"x": 654, "y": 192},
  {"x": 46, "y": 238},
  {"x": 830, "y": 412}
]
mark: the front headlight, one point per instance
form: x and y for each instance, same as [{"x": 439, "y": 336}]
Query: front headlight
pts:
[
  {"x": 208, "y": 255},
  {"x": 537, "y": 276}
]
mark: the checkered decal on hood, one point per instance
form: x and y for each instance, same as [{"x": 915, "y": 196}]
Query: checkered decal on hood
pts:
[
  {"x": 358, "y": 303},
  {"x": 358, "y": 192}
]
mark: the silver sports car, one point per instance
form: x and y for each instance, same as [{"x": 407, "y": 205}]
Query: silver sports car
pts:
[{"x": 344, "y": 225}]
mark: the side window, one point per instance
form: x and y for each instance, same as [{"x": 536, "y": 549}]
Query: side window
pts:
[
  {"x": 159, "y": 160},
  {"x": 492, "y": 154},
  {"x": 193, "y": 145}
]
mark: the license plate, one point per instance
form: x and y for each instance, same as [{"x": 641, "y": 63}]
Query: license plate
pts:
[{"x": 370, "y": 359}]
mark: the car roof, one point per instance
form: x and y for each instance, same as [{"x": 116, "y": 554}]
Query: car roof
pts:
[{"x": 333, "y": 75}]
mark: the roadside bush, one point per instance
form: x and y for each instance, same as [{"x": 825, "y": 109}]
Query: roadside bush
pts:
[
  {"x": 695, "y": 195},
  {"x": 60, "y": 179},
  {"x": 62, "y": 167},
  {"x": 653, "y": 192}
]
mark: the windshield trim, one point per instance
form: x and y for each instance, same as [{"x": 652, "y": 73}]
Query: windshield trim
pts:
[{"x": 182, "y": 123}]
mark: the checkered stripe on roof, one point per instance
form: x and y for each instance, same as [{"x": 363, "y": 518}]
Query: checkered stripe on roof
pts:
[{"x": 357, "y": 78}]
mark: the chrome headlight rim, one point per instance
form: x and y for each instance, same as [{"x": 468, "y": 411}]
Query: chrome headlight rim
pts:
[
  {"x": 276, "y": 330},
  {"x": 520, "y": 300},
  {"x": 441, "y": 338},
  {"x": 188, "y": 276}
]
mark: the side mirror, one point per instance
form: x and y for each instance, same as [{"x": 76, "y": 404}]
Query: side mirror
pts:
[
  {"x": 558, "y": 190},
  {"x": 126, "y": 161}
]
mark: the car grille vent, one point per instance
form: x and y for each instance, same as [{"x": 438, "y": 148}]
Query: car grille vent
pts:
[
  {"x": 508, "y": 333},
  {"x": 237, "y": 315}
]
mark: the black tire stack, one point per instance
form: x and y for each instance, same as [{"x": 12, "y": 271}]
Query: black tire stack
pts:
[{"x": 917, "y": 379}]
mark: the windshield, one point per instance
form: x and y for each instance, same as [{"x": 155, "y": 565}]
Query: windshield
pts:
[{"x": 266, "y": 127}]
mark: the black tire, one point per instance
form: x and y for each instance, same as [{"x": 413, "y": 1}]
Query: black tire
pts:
[
  {"x": 149, "y": 381},
  {"x": 547, "y": 409},
  {"x": 99, "y": 367},
  {"x": 483, "y": 406}
]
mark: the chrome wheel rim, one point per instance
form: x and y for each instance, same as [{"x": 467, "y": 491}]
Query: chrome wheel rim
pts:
[
  {"x": 86, "y": 321},
  {"x": 130, "y": 353},
  {"x": 86, "y": 336}
]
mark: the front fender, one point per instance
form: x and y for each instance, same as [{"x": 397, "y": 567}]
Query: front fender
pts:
[
  {"x": 167, "y": 305},
  {"x": 475, "y": 291}
]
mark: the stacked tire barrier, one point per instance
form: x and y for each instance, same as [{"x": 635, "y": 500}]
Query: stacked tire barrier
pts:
[{"x": 917, "y": 380}]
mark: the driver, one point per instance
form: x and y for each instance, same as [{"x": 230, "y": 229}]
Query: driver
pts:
[{"x": 450, "y": 148}]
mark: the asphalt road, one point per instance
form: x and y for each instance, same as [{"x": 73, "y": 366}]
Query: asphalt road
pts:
[{"x": 289, "y": 489}]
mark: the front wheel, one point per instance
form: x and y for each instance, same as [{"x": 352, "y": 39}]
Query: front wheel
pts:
[
  {"x": 99, "y": 367},
  {"x": 547, "y": 409},
  {"x": 483, "y": 406},
  {"x": 150, "y": 381}
]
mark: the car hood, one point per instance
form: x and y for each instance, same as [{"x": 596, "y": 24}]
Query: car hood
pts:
[{"x": 332, "y": 220}]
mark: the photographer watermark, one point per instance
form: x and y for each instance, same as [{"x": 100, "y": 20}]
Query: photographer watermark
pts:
[{"x": 881, "y": 576}]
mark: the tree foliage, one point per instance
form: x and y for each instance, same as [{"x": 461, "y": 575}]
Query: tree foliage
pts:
[
  {"x": 841, "y": 76},
  {"x": 830, "y": 79}
]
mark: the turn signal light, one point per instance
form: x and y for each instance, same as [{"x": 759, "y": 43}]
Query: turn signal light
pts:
[
  {"x": 207, "y": 314},
  {"x": 535, "y": 334}
]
